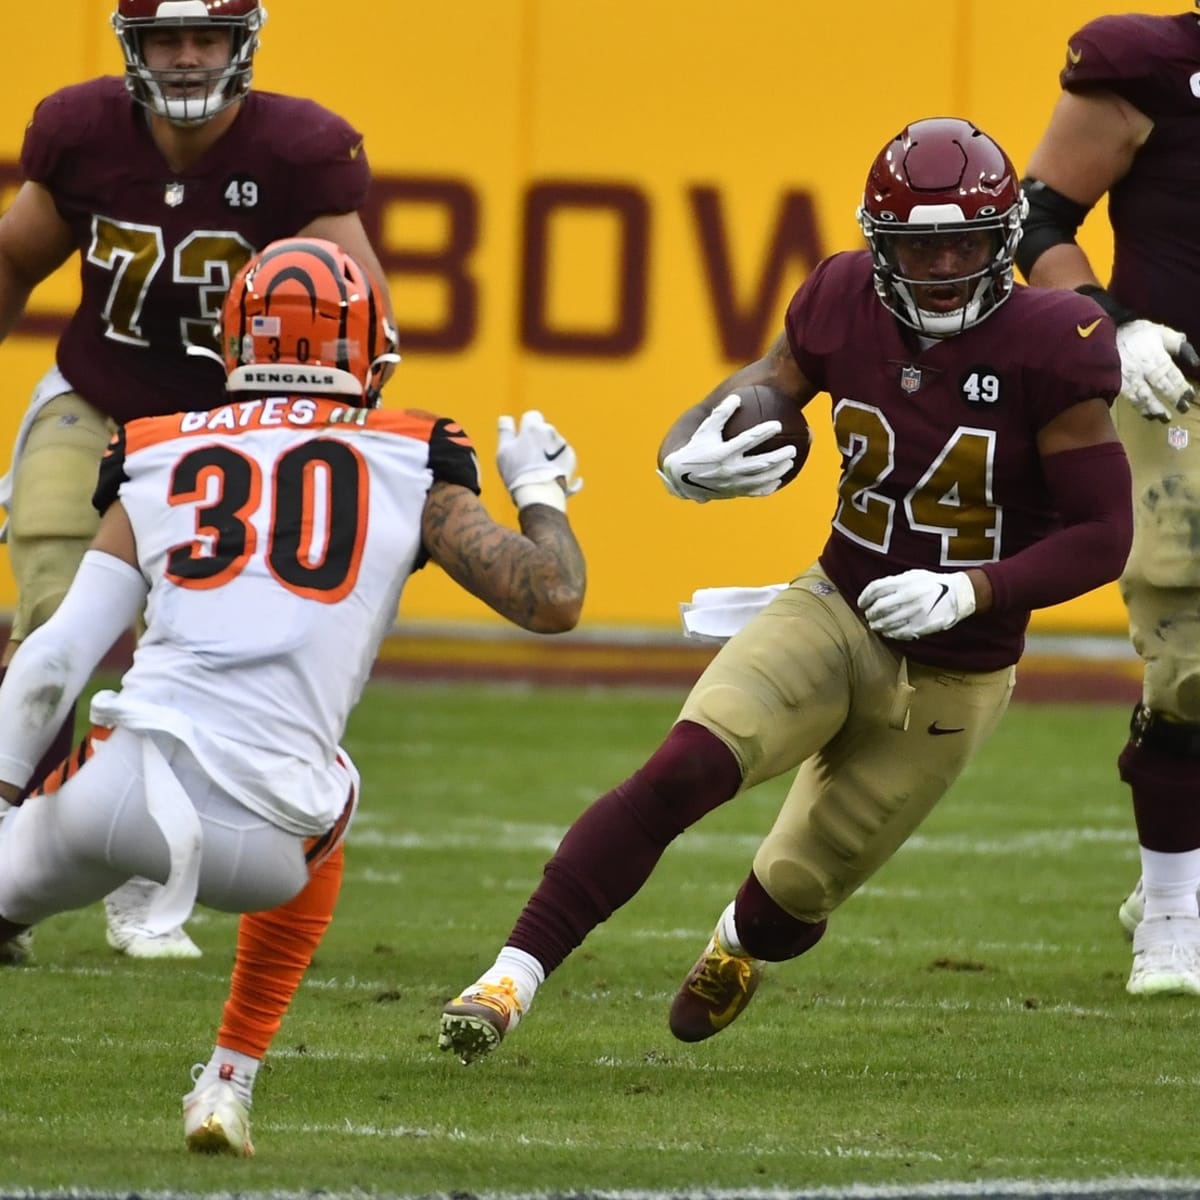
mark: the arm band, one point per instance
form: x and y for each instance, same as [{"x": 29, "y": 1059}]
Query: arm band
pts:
[
  {"x": 548, "y": 492},
  {"x": 1111, "y": 305},
  {"x": 51, "y": 666},
  {"x": 1052, "y": 220},
  {"x": 1091, "y": 489}
]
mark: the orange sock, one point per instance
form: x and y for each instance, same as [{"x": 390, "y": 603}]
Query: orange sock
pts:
[{"x": 274, "y": 950}]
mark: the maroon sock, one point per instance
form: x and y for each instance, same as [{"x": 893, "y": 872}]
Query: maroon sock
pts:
[
  {"x": 609, "y": 852},
  {"x": 766, "y": 931},
  {"x": 1166, "y": 797}
]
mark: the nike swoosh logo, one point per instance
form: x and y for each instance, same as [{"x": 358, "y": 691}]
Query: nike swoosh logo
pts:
[
  {"x": 1088, "y": 330},
  {"x": 940, "y": 596},
  {"x": 1074, "y": 56},
  {"x": 686, "y": 477},
  {"x": 935, "y": 729},
  {"x": 721, "y": 1019},
  {"x": 551, "y": 457}
]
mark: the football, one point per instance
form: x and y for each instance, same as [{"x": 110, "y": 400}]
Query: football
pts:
[{"x": 761, "y": 403}]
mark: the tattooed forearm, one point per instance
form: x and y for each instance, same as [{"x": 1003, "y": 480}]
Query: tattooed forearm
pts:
[{"x": 535, "y": 578}]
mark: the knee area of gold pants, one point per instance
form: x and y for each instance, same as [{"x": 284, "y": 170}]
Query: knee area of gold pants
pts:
[{"x": 802, "y": 888}]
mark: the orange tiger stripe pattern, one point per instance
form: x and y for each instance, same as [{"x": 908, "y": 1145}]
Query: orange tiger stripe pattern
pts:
[
  {"x": 317, "y": 849},
  {"x": 305, "y": 303},
  {"x": 71, "y": 764}
]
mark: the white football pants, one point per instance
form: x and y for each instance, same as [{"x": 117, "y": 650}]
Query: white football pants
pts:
[{"x": 72, "y": 847}]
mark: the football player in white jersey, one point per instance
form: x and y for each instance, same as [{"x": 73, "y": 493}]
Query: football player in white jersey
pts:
[{"x": 268, "y": 541}]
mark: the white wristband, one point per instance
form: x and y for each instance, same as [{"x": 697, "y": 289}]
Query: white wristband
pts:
[{"x": 548, "y": 492}]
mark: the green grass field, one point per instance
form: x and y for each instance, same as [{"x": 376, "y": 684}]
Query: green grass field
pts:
[{"x": 964, "y": 1019}]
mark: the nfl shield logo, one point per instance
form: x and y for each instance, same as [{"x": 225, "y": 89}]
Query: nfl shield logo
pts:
[
  {"x": 174, "y": 194},
  {"x": 1177, "y": 438},
  {"x": 910, "y": 379}
]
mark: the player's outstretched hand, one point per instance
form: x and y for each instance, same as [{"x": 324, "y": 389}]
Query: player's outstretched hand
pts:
[
  {"x": 536, "y": 462},
  {"x": 1151, "y": 379},
  {"x": 916, "y": 603},
  {"x": 707, "y": 467}
]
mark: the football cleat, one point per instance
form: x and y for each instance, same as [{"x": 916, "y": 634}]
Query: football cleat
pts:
[
  {"x": 1166, "y": 957},
  {"x": 126, "y": 909},
  {"x": 716, "y": 990},
  {"x": 17, "y": 951},
  {"x": 216, "y": 1120},
  {"x": 1133, "y": 908},
  {"x": 476, "y": 1022}
]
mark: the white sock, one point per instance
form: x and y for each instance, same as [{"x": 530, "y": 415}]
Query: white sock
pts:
[
  {"x": 727, "y": 933},
  {"x": 238, "y": 1069},
  {"x": 1170, "y": 882},
  {"x": 526, "y": 973}
]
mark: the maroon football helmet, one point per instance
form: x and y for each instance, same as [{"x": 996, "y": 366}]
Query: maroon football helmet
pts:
[
  {"x": 223, "y": 86},
  {"x": 942, "y": 175}
]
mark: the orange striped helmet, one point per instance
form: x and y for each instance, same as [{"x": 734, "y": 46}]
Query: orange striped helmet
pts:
[{"x": 303, "y": 317}]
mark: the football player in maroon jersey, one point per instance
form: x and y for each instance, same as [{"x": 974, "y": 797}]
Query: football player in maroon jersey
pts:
[
  {"x": 165, "y": 182},
  {"x": 1127, "y": 123},
  {"x": 981, "y": 478}
]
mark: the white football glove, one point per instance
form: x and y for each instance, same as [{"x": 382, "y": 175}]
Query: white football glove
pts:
[
  {"x": 536, "y": 462},
  {"x": 1150, "y": 379},
  {"x": 707, "y": 467},
  {"x": 915, "y": 603}
]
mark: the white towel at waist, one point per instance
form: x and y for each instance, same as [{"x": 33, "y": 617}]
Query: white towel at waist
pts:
[
  {"x": 716, "y": 614},
  {"x": 172, "y": 811}
]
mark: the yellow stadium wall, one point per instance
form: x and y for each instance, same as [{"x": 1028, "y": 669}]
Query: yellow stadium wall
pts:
[{"x": 599, "y": 208}]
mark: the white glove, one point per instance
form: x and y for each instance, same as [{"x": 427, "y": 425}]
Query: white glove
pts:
[
  {"x": 536, "y": 463},
  {"x": 1150, "y": 380},
  {"x": 916, "y": 603},
  {"x": 707, "y": 467}
]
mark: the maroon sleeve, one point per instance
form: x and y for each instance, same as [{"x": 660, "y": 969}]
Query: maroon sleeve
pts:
[
  {"x": 817, "y": 320},
  {"x": 38, "y": 150},
  {"x": 325, "y": 157},
  {"x": 1136, "y": 56},
  {"x": 1091, "y": 488},
  {"x": 1069, "y": 354},
  {"x": 59, "y": 123}
]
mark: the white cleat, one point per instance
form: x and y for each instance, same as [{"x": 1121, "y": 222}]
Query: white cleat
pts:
[
  {"x": 1166, "y": 957},
  {"x": 216, "y": 1121},
  {"x": 127, "y": 909},
  {"x": 1132, "y": 909}
]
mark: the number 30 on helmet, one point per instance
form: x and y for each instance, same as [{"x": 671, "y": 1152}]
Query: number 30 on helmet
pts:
[{"x": 304, "y": 302}]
